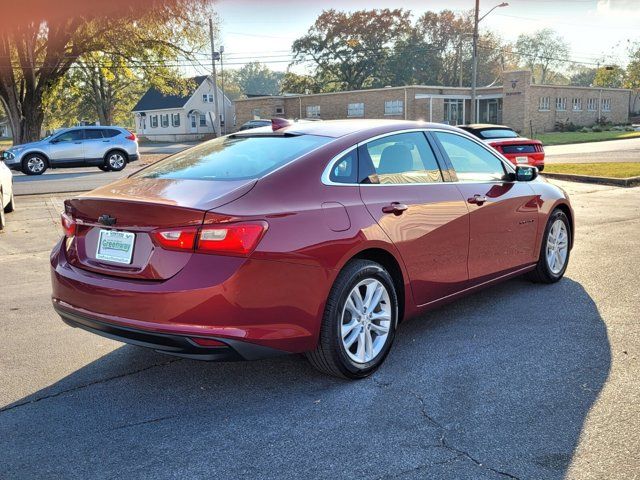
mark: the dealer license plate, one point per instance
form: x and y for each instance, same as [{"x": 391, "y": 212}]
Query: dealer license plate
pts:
[
  {"x": 115, "y": 246},
  {"x": 522, "y": 159}
]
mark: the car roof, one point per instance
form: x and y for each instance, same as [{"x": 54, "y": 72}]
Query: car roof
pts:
[{"x": 340, "y": 128}]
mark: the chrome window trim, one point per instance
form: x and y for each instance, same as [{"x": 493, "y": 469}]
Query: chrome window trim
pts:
[{"x": 326, "y": 174}]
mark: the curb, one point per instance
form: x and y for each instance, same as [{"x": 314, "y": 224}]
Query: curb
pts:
[{"x": 618, "y": 182}]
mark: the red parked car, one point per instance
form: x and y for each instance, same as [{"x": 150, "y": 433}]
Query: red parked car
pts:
[
  {"x": 316, "y": 237},
  {"x": 519, "y": 150}
]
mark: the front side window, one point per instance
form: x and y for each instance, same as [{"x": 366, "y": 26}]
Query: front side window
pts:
[
  {"x": 70, "y": 136},
  {"x": 400, "y": 159},
  {"x": 471, "y": 161},
  {"x": 355, "y": 110},
  {"x": 561, "y": 103},
  {"x": 393, "y": 107},
  {"x": 313, "y": 111},
  {"x": 234, "y": 158},
  {"x": 175, "y": 119}
]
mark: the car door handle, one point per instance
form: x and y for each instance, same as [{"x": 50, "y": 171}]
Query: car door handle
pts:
[
  {"x": 396, "y": 208},
  {"x": 106, "y": 141},
  {"x": 477, "y": 199},
  {"x": 77, "y": 143}
]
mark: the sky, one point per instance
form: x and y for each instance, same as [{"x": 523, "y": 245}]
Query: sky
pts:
[{"x": 596, "y": 30}]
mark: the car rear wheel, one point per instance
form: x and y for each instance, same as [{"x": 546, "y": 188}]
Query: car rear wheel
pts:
[
  {"x": 555, "y": 249},
  {"x": 359, "y": 322},
  {"x": 116, "y": 161},
  {"x": 34, "y": 164},
  {"x": 104, "y": 168}
]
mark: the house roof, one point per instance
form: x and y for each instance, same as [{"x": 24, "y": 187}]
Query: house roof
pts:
[{"x": 154, "y": 99}]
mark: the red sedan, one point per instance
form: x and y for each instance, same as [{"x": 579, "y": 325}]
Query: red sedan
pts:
[
  {"x": 316, "y": 237},
  {"x": 519, "y": 150}
]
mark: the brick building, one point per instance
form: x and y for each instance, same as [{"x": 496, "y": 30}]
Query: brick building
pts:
[{"x": 517, "y": 102}]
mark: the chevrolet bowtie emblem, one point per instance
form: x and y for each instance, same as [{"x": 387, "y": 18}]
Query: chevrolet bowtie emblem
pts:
[{"x": 106, "y": 220}]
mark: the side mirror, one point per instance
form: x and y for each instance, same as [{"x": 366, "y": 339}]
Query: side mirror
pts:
[
  {"x": 53, "y": 141},
  {"x": 526, "y": 174}
]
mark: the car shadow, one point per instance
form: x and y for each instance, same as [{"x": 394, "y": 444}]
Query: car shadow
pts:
[{"x": 497, "y": 385}]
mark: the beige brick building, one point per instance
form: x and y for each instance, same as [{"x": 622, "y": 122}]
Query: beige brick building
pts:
[{"x": 517, "y": 102}]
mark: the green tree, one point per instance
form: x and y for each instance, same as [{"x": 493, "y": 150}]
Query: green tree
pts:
[
  {"x": 542, "y": 52},
  {"x": 611, "y": 76},
  {"x": 583, "y": 77},
  {"x": 35, "y": 56},
  {"x": 348, "y": 49},
  {"x": 257, "y": 79},
  {"x": 294, "y": 83},
  {"x": 632, "y": 77}
]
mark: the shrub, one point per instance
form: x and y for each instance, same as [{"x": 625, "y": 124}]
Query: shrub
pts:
[
  {"x": 629, "y": 128},
  {"x": 596, "y": 128},
  {"x": 585, "y": 130}
]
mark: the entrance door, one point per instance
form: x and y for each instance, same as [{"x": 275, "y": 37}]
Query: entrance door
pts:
[
  {"x": 425, "y": 218},
  {"x": 503, "y": 215},
  {"x": 193, "y": 123}
]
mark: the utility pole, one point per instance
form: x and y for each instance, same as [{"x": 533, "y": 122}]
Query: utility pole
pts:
[
  {"x": 474, "y": 64},
  {"x": 216, "y": 109},
  {"x": 224, "y": 99},
  {"x": 460, "y": 61}
]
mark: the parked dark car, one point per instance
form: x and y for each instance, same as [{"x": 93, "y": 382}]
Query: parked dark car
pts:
[
  {"x": 314, "y": 237},
  {"x": 519, "y": 150}
]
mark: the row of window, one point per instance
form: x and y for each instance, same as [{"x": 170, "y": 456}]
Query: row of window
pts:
[
  {"x": 576, "y": 104},
  {"x": 163, "y": 120},
  {"x": 391, "y": 107},
  {"x": 407, "y": 158}
]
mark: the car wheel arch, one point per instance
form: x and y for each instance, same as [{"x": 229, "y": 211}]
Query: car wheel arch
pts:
[
  {"x": 118, "y": 150},
  {"x": 40, "y": 154},
  {"x": 568, "y": 212}
]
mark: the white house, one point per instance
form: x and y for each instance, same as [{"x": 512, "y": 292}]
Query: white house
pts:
[{"x": 179, "y": 118}]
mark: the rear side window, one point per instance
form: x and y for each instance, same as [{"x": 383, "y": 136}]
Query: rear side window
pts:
[
  {"x": 401, "y": 159},
  {"x": 345, "y": 169},
  {"x": 472, "y": 162},
  {"x": 92, "y": 134},
  {"x": 110, "y": 132},
  {"x": 234, "y": 158}
]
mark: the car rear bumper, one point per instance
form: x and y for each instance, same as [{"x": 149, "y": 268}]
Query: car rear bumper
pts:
[
  {"x": 170, "y": 344},
  {"x": 534, "y": 160},
  {"x": 267, "y": 303},
  {"x": 134, "y": 157}
]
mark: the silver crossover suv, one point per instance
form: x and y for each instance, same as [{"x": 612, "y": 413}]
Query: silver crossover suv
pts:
[{"x": 108, "y": 148}]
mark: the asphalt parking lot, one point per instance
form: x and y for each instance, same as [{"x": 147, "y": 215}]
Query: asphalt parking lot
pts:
[{"x": 518, "y": 381}]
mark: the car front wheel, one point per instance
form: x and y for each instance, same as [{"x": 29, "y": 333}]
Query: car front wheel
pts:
[
  {"x": 359, "y": 322},
  {"x": 34, "y": 165},
  {"x": 555, "y": 249}
]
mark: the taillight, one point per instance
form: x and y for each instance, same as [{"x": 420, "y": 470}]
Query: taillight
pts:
[
  {"x": 239, "y": 239},
  {"x": 68, "y": 225},
  {"x": 176, "y": 238},
  {"x": 233, "y": 239},
  {"x": 131, "y": 136}
]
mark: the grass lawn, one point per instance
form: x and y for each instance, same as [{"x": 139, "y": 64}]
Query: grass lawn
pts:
[
  {"x": 613, "y": 169},
  {"x": 5, "y": 143},
  {"x": 562, "y": 138}
]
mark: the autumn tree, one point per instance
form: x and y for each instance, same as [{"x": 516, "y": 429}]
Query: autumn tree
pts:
[
  {"x": 348, "y": 49},
  {"x": 294, "y": 83},
  {"x": 37, "y": 54},
  {"x": 610, "y": 76},
  {"x": 256, "y": 78},
  {"x": 542, "y": 52}
]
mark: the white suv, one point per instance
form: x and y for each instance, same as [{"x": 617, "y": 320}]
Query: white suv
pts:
[
  {"x": 6, "y": 193},
  {"x": 108, "y": 148}
]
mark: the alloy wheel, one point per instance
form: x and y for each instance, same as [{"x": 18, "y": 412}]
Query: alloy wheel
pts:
[
  {"x": 557, "y": 246},
  {"x": 116, "y": 161},
  {"x": 35, "y": 164},
  {"x": 366, "y": 321}
]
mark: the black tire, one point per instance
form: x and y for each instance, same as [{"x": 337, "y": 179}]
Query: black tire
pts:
[
  {"x": 34, "y": 164},
  {"x": 540, "y": 168},
  {"x": 116, "y": 160},
  {"x": 3, "y": 221},
  {"x": 543, "y": 272},
  {"x": 104, "y": 168},
  {"x": 330, "y": 356},
  {"x": 11, "y": 206}
]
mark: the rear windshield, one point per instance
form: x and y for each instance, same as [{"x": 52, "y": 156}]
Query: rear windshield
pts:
[
  {"x": 234, "y": 157},
  {"x": 497, "y": 133}
]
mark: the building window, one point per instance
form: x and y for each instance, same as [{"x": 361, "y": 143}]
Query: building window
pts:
[
  {"x": 164, "y": 120},
  {"x": 544, "y": 104},
  {"x": 279, "y": 110},
  {"x": 453, "y": 111},
  {"x": 577, "y": 104},
  {"x": 393, "y": 107},
  {"x": 203, "y": 120},
  {"x": 207, "y": 97},
  {"x": 175, "y": 119},
  {"x": 606, "y": 104},
  {"x": 355, "y": 110},
  {"x": 561, "y": 103},
  {"x": 193, "y": 121},
  {"x": 313, "y": 111},
  {"x": 153, "y": 120},
  {"x": 592, "y": 104}
]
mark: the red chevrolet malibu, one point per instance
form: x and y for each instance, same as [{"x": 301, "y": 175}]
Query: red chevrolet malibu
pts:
[{"x": 316, "y": 237}]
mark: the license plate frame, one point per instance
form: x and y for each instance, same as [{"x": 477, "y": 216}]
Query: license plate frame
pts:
[{"x": 115, "y": 254}]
